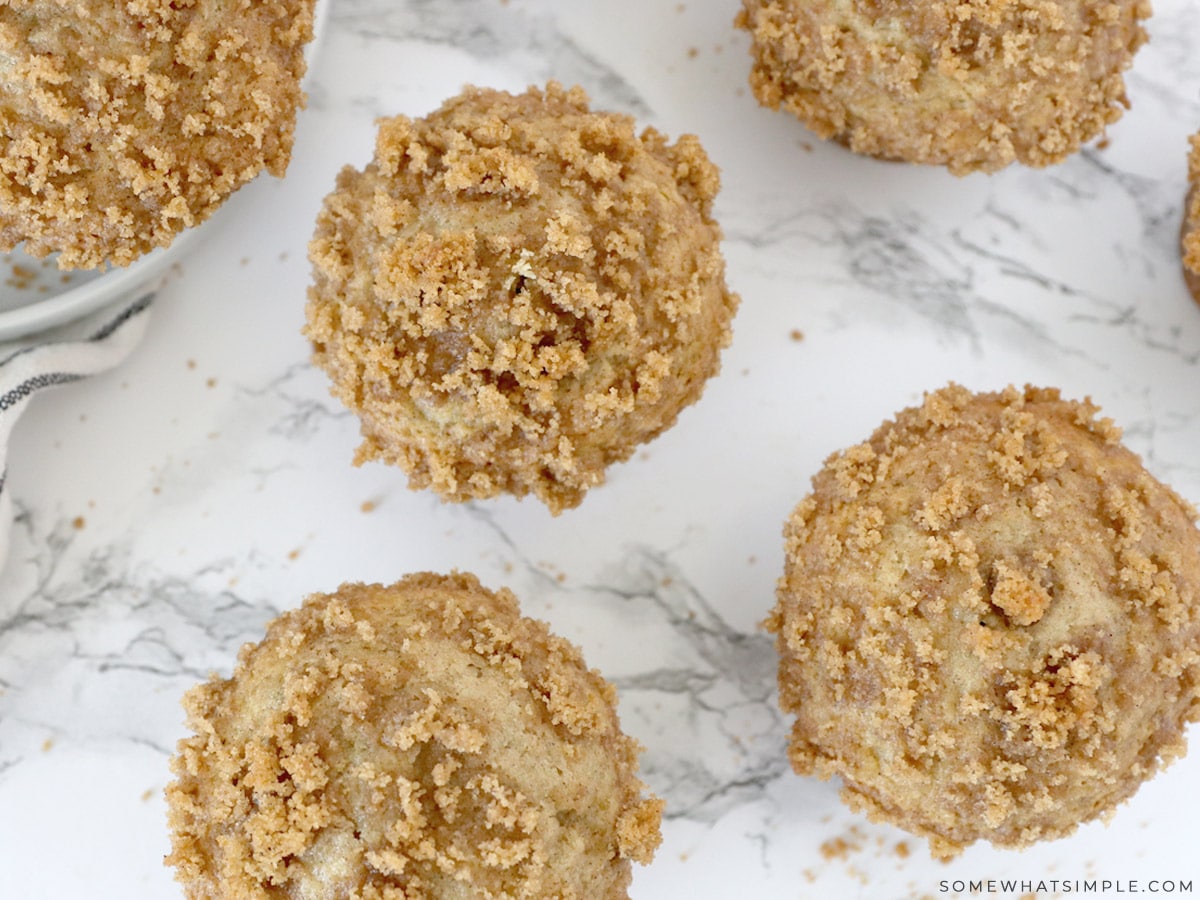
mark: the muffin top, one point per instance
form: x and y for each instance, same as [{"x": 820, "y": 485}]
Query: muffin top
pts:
[
  {"x": 969, "y": 84},
  {"x": 517, "y": 291},
  {"x": 419, "y": 740},
  {"x": 989, "y": 621},
  {"x": 127, "y": 122}
]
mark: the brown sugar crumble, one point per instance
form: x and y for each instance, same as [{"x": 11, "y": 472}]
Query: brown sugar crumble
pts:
[
  {"x": 517, "y": 292},
  {"x": 420, "y": 740},
  {"x": 989, "y": 620},
  {"x": 973, "y": 86},
  {"x": 127, "y": 122}
]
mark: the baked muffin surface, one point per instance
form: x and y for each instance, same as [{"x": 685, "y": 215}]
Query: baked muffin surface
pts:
[
  {"x": 989, "y": 620},
  {"x": 517, "y": 292}
]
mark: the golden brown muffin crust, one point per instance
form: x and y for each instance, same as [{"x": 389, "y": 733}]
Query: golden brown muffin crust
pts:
[
  {"x": 969, "y": 84},
  {"x": 420, "y": 740},
  {"x": 517, "y": 291},
  {"x": 127, "y": 122},
  {"x": 1191, "y": 222},
  {"x": 989, "y": 621}
]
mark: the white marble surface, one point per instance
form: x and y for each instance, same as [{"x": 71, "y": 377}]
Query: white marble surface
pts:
[{"x": 168, "y": 509}]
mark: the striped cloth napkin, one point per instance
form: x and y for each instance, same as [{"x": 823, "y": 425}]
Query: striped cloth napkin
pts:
[{"x": 61, "y": 355}]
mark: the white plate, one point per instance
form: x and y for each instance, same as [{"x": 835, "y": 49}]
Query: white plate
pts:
[{"x": 36, "y": 295}]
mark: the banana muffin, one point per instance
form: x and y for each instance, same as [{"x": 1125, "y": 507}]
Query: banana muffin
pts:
[
  {"x": 518, "y": 291},
  {"x": 126, "y": 123},
  {"x": 419, "y": 740},
  {"x": 968, "y": 84},
  {"x": 989, "y": 621}
]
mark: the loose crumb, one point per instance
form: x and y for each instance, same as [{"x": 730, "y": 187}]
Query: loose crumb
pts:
[{"x": 1191, "y": 221}]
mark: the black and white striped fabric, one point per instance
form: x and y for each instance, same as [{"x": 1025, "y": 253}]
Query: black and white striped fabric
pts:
[{"x": 60, "y": 356}]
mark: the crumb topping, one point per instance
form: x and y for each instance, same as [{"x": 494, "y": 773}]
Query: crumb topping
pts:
[
  {"x": 989, "y": 619},
  {"x": 969, "y": 84},
  {"x": 127, "y": 122},
  {"x": 517, "y": 291},
  {"x": 421, "y": 740}
]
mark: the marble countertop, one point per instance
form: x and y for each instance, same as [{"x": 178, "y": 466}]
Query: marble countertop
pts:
[{"x": 168, "y": 509}]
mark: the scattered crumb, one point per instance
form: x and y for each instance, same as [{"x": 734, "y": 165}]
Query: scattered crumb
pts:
[
  {"x": 147, "y": 794},
  {"x": 841, "y": 847},
  {"x": 78, "y": 522},
  {"x": 211, "y": 382},
  {"x": 295, "y": 554},
  {"x": 796, "y": 334},
  {"x": 693, "y": 52},
  {"x": 22, "y": 277},
  {"x": 368, "y": 506},
  {"x": 47, "y": 745}
]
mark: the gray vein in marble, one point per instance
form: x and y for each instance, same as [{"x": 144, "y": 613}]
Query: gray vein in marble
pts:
[
  {"x": 724, "y": 741},
  {"x": 1158, "y": 201},
  {"x": 487, "y": 519},
  {"x": 1172, "y": 29},
  {"x": 898, "y": 258},
  {"x": 733, "y": 674},
  {"x": 98, "y": 618},
  {"x": 487, "y": 30},
  {"x": 300, "y": 401}
]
